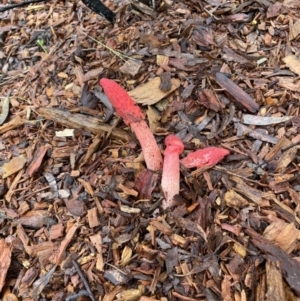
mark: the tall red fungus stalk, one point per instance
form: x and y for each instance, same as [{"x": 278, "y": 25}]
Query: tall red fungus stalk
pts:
[
  {"x": 133, "y": 116},
  {"x": 171, "y": 173}
]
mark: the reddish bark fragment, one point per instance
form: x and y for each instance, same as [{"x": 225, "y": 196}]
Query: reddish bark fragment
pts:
[
  {"x": 38, "y": 159},
  {"x": 5, "y": 259},
  {"x": 239, "y": 95},
  {"x": 145, "y": 183}
]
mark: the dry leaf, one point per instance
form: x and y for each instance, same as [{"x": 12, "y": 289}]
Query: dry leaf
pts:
[
  {"x": 40, "y": 284},
  {"x": 153, "y": 118},
  {"x": 126, "y": 256},
  {"x": 294, "y": 29},
  {"x": 4, "y": 110},
  {"x": 150, "y": 93},
  {"x": 288, "y": 83},
  {"x": 259, "y": 120},
  {"x": 293, "y": 63}
]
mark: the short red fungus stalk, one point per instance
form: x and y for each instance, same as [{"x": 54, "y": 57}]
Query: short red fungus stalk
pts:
[
  {"x": 209, "y": 156},
  {"x": 171, "y": 172},
  {"x": 132, "y": 115}
]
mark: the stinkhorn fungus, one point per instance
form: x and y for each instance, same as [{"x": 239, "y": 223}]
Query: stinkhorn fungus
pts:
[
  {"x": 171, "y": 172},
  {"x": 133, "y": 116},
  {"x": 209, "y": 156}
]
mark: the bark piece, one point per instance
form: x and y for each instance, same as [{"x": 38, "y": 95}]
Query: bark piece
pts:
[
  {"x": 4, "y": 110},
  {"x": 235, "y": 200},
  {"x": 96, "y": 240},
  {"x": 146, "y": 182},
  {"x": 203, "y": 36},
  {"x": 275, "y": 286},
  {"x": 35, "y": 219},
  {"x": 165, "y": 82},
  {"x": 208, "y": 99},
  {"x": 116, "y": 277},
  {"x": 93, "y": 217},
  {"x": 13, "y": 185},
  {"x": 294, "y": 29},
  {"x": 239, "y": 96},
  {"x": 290, "y": 267},
  {"x": 162, "y": 227},
  {"x": 80, "y": 121},
  {"x": 38, "y": 159},
  {"x": 75, "y": 206},
  {"x": 131, "y": 67},
  {"x": 281, "y": 144},
  {"x": 286, "y": 158},
  {"x": 56, "y": 231},
  {"x": 13, "y": 166},
  {"x": 251, "y": 193},
  {"x": 62, "y": 248},
  {"x": 288, "y": 83},
  {"x": 260, "y": 120},
  {"x": 5, "y": 259},
  {"x": 282, "y": 235}
]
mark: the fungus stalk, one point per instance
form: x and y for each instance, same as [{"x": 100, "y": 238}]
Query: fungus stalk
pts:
[
  {"x": 171, "y": 172},
  {"x": 208, "y": 156},
  {"x": 132, "y": 115}
]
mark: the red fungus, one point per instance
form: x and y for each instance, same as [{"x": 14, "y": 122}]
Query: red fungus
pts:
[
  {"x": 133, "y": 116},
  {"x": 171, "y": 173},
  {"x": 204, "y": 157}
]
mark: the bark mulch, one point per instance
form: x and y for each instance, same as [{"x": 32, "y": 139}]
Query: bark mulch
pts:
[{"x": 81, "y": 217}]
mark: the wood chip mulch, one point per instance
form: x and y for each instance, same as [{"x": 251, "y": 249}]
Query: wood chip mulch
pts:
[{"x": 81, "y": 216}]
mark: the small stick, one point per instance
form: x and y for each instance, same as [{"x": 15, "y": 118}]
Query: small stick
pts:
[
  {"x": 95, "y": 5},
  {"x": 85, "y": 283},
  {"x": 8, "y": 7}
]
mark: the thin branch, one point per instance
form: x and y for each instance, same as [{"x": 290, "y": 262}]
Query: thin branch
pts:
[
  {"x": 11, "y": 6},
  {"x": 85, "y": 282},
  {"x": 95, "y": 5}
]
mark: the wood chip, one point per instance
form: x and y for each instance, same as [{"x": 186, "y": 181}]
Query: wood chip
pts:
[
  {"x": 93, "y": 217},
  {"x": 5, "y": 259},
  {"x": 239, "y": 96}
]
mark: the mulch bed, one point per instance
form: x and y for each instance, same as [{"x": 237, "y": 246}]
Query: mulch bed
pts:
[{"x": 81, "y": 217}]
